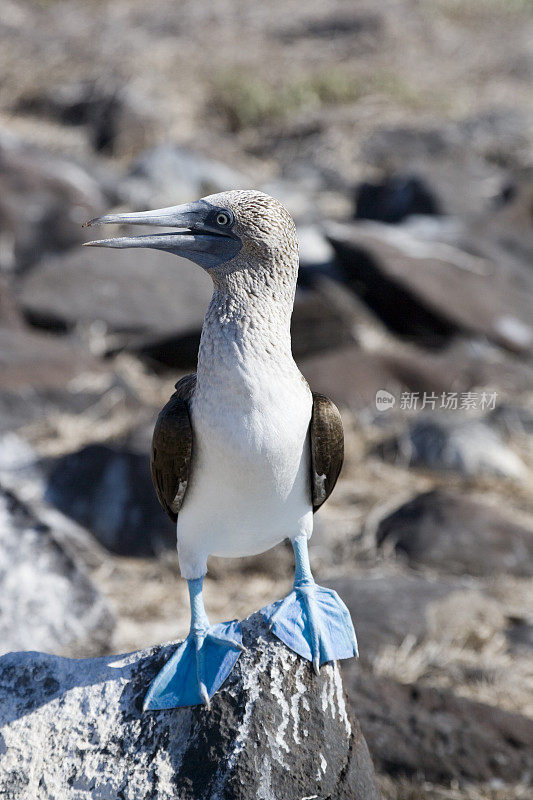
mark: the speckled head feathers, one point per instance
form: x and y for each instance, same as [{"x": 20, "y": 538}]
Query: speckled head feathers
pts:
[{"x": 262, "y": 223}]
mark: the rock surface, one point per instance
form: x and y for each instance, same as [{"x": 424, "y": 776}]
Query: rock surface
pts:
[
  {"x": 48, "y": 602},
  {"x": 275, "y": 730},
  {"x": 454, "y": 158},
  {"x": 466, "y": 446},
  {"x": 349, "y": 375},
  {"x": 45, "y": 376},
  {"x": 387, "y": 609},
  {"x": 169, "y": 175},
  {"x": 316, "y": 326},
  {"x": 417, "y": 730},
  {"x": 427, "y": 289},
  {"x": 109, "y": 491},
  {"x": 394, "y": 199},
  {"x": 44, "y": 201},
  {"x": 511, "y": 420},
  {"x": 447, "y": 530},
  {"x": 148, "y": 293}
]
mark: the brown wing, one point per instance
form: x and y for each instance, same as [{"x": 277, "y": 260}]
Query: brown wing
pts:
[
  {"x": 327, "y": 448},
  {"x": 170, "y": 462}
]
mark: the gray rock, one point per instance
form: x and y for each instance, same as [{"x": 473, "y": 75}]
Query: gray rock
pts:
[
  {"x": 363, "y": 29},
  {"x": 109, "y": 491},
  {"x": 509, "y": 224},
  {"x": 22, "y": 474},
  {"x": 136, "y": 292},
  {"x": 465, "y": 365},
  {"x": 316, "y": 325},
  {"x": 388, "y": 609},
  {"x": 315, "y": 250},
  {"x": 168, "y": 175},
  {"x": 10, "y": 316},
  {"x": 394, "y": 199},
  {"x": 512, "y": 420},
  {"x": 44, "y": 199},
  {"x": 463, "y": 445},
  {"x": 428, "y": 290},
  {"x": 520, "y": 636},
  {"x": 48, "y": 602},
  {"x": 44, "y": 375},
  {"x": 350, "y": 376},
  {"x": 174, "y": 351},
  {"x": 415, "y": 730},
  {"x": 275, "y": 730},
  {"x": 449, "y": 531}
]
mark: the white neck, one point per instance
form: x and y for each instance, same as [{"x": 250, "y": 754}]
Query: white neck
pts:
[{"x": 247, "y": 321}]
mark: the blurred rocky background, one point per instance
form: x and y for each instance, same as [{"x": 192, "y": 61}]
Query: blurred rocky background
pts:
[{"x": 399, "y": 136}]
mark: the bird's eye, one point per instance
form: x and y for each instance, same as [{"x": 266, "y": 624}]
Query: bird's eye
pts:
[{"x": 223, "y": 219}]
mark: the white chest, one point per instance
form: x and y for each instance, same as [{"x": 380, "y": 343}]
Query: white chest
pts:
[{"x": 254, "y": 422}]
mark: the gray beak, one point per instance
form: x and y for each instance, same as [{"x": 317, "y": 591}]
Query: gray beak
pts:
[{"x": 199, "y": 239}]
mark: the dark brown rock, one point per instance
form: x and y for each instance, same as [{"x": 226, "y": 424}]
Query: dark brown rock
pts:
[
  {"x": 349, "y": 375},
  {"x": 414, "y": 730},
  {"x": 387, "y": 609},
  {"x": 453, "y": 533}
]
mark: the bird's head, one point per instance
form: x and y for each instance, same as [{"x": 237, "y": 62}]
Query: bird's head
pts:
[{"x": 223, "y": 233}]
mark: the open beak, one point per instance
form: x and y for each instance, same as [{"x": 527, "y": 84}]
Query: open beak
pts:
[{"x": 197, "y": 239}]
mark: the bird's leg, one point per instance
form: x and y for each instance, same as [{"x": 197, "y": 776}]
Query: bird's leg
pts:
[
  {"x": 201, "y": 663},
  {"x": 311, "y": 620},
  {"x": 302, "y": 568},
  {"x": 305, "y": 585},
  {"x": 199, "y": 630}
]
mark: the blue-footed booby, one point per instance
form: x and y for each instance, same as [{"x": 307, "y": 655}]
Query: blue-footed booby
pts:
[{"x": 243, "y": 453}]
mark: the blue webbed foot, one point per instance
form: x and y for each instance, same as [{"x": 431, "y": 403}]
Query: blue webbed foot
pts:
[
  {"x": 315, "y": 623},
  {"x": 198, "y": 668},
  {"x": 311, "y": 620}
]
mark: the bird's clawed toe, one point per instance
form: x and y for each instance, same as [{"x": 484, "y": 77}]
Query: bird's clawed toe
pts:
[{"x": 204, "y": 694}]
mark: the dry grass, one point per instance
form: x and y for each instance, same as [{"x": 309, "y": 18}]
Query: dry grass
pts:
[
  {"x": 246, "y": 100},
  {"x": 404, "y": 789}
]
